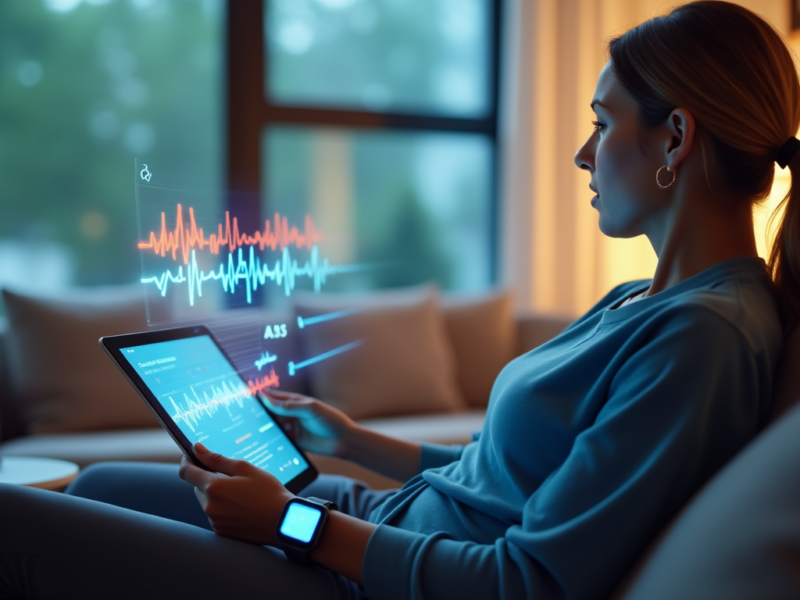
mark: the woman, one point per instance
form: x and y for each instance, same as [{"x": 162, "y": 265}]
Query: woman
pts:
[{"x": 591, "y": 442}]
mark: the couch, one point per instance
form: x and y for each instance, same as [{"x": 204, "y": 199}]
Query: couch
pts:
[
  {"x": 134, "y": 436},
  {"x": 737, "y": 539}
]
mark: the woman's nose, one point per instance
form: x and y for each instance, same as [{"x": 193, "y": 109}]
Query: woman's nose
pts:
[{"x": 584, "y": 157}]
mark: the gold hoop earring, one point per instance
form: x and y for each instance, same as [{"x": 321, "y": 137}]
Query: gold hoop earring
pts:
[{"x": 658, "y": 183}]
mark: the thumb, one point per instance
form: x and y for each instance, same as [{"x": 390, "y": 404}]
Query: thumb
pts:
[{"x": 220, "y": 464}]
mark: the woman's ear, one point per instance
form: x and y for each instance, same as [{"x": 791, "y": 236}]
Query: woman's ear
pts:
[{"x": 680, "y": 136}]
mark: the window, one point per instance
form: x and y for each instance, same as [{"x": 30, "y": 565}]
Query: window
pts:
[
  {"x": 85, "y": 87},
  {"x": 414, "y": 56},
  {"x": 379, "y": 119}
]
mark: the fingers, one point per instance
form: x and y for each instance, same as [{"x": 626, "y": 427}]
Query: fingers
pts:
[
  {"x": 193, "y": 474},
  {"x": 278, "y": 394},
  {"x": 289, "y": 405},
  {"x": 201, "y": 498},
  {"x": 273, "y": 396},
  {"x": 221, "y": 464}
]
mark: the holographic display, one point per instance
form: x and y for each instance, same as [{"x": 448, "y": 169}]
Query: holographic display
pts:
[
  {"x": 186, "y": 246},
  {"x": 199, "y": 260}
]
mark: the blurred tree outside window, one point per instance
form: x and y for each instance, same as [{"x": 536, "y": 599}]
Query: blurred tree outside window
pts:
[
  {"x": 427, "y": 56},
  {"x": 86, "y": 87},
  {"x": 414, "y": 204},
  {"x": 379, "y": 115},
  {"x": 378, "y": 118}
]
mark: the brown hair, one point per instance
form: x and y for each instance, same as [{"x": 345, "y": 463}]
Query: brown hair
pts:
[{"x": 733, "y": 72}]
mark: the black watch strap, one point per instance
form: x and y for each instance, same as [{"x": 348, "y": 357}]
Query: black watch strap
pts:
[
  {"x": 326, "y": 503},
  {"x": 297, "y": 555}
]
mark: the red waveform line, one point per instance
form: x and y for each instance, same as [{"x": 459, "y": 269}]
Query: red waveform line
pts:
[
  {"x": 260, "y": 385},
  {"x": 276, "y": 234}
]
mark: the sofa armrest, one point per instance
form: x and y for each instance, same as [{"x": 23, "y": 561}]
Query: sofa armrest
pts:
[{"x": 534, "y": 330}]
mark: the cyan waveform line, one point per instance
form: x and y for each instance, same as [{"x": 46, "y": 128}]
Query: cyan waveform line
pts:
[
  {"x": 293, "y": 368},
  {"x": 221, "y": 397},
  {"x": 303, "y": 322},
  {"x": 265, "y": 360},
  {"x": 252, "y": 273},
  {"x": 194, "y": 410}
]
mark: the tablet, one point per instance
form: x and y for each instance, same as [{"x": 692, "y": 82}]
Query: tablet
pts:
[{"x": 197, "y": 394}]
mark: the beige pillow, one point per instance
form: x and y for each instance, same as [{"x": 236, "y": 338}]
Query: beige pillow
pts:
[
  {"x": 59, "y": 374},
  {"x": 402, "y": 365},
  {"x": 483, "y": 337}
]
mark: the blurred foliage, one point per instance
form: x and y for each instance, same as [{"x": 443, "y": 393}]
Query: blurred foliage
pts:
[
  {"x": 85, "y": 90},
  {"x": 423, "y": 56},
  {"x": 87, "y": 86},
  {"x": 410, "y": 251},
  {"x": 414, "y": 205}
]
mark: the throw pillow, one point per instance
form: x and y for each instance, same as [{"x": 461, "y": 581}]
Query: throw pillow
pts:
[
  {"x": 59, "y": 374},
  {"x": 389, "y": 354},
  {"x": 483, "y": 337}
]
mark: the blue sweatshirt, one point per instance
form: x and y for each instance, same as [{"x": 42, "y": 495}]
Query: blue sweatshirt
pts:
[{"x": 591, "y": 443}]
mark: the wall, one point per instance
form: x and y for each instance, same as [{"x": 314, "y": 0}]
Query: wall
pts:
[{"x": 552, "y": 252}]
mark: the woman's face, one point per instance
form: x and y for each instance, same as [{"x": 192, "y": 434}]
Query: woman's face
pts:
[{"x": 628, "y": 198}]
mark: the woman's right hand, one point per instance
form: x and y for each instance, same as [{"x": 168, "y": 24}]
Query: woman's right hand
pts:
[{"x": 313, "y": 425}]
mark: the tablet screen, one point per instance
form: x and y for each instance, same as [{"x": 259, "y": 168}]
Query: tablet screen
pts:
[{"x": 203, "y": 394}]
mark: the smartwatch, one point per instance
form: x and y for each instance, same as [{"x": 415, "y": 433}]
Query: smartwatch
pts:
[{"x": 300, "y": 526}]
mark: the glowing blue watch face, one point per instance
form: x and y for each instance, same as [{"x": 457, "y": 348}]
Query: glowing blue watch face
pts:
[{"x": 300, "y": 522}]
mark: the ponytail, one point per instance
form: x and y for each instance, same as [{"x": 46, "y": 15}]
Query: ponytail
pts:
[{"x": 784, "y": 258}]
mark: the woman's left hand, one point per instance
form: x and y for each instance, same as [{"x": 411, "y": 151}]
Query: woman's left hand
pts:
[{"x": 242, "y": 501}]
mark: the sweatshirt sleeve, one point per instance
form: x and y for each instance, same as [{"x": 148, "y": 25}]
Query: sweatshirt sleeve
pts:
[
  {"x": 438, "y": 455},
  {"x": 678, "y": 408}
]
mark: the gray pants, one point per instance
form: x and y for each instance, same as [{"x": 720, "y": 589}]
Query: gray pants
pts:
[{"x": 128, "y": 530}]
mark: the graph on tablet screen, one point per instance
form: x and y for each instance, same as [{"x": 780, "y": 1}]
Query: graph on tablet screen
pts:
[{"x": 209, "y": 402}]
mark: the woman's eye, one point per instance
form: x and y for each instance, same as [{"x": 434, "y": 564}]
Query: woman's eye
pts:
[{"x": 597, "y": 125}]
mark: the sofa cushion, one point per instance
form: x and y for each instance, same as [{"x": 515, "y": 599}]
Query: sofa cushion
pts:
[
  {"x": 399, "y": 359},
  {"x": 60, "y": 377},
  {"x": 739, "y": 538},
  {"x": 156, "y": 445},
  {"x": 483, "y": 335}
]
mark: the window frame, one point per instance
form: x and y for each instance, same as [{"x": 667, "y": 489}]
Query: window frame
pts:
[{"x": 249, "y": 112}]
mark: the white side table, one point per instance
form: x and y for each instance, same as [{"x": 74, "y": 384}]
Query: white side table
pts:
[{"x": 44, "y": 473}]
